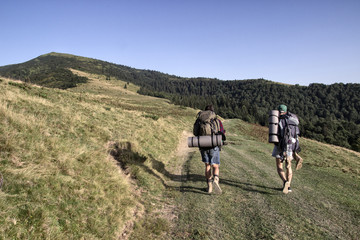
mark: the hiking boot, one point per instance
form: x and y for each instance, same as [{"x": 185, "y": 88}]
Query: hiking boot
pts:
[
  {"x": 217, "y": 188},
  {"x": 299, "y": 161},
  {"x": 209, "y": 186},
  {"x": 286, "y": 187}
]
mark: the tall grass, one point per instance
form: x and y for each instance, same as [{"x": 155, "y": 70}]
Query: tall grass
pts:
[{"x": 59, "y": 179}]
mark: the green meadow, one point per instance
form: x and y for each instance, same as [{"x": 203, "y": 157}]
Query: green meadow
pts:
[{"x": 100, "y": 161}]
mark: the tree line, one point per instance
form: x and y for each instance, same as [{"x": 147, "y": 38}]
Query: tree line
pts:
[{"x": 328, "y": 113}]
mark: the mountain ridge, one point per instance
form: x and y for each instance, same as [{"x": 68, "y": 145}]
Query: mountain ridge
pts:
[
  {"x": 83, "y": 58},
  {"x": 6, "y": 70},
  {"x": 328, "y": 113}
]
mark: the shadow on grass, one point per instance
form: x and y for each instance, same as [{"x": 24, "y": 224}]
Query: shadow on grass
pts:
[
  {"x": 125, "y": 156},
  {"x": 250, "y": 187}
]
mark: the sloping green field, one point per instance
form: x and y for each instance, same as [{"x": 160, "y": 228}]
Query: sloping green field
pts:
[
  {"x": 60, "y": 178},
  {"x": 323, "y": 205},
  {"x": 102, "y": 162}
]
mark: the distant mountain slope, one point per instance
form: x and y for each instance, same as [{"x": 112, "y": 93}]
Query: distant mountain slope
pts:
[
  {"x": 52, "y": 70},
  {"x": 328, "y": 113},
  {"x": 47, "y": 70}
]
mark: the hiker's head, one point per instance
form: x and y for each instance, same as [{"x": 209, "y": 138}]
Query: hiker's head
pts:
[
  {"x": 282, "y": 109},
  {"x": 209, "y": 107}
]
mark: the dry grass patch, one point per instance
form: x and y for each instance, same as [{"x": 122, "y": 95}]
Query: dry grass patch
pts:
[{"x": 58, "y": 179}]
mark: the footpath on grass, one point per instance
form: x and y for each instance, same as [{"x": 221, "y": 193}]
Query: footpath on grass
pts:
[{"x": 323, "y": 205}]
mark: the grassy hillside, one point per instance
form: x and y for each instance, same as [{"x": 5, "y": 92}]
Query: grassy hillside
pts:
[
  {"x": 328, "y": 113},
  {"x": 100, "y": 161},
  {"x": 52, "y": 70},
  {"x": 59, "y": 152}
]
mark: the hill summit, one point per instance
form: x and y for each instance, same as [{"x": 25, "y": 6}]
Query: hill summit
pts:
[{"x": 52, "y": 70}]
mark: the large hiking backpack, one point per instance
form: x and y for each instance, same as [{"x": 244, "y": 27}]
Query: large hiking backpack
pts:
[
  {"x": 289, "y": 133},
  {"x": 206, "y": 124}
]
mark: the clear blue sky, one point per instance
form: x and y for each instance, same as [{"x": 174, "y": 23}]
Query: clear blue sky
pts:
[{"x": 289, "y": 41}]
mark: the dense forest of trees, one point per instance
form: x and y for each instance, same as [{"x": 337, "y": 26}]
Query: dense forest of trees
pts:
[{"x": 328, "y": 113}]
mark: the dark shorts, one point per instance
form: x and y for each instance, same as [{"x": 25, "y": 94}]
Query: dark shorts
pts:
[{"x": 210, "y": 156}]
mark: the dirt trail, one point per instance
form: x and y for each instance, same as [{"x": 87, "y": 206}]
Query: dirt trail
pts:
[
  {"x": 183, "y": 151},
  {"x": 182, "y": 154}
]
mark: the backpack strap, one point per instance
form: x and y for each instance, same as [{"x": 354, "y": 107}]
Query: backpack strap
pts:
[
  {"x": 212, "y": 140},
  {"x": 217, "y": 124},
  {"x": 214, "y": 125}
]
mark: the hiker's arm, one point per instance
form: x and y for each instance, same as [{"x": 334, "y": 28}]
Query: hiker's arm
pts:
[{"x": 222, "y": 128}]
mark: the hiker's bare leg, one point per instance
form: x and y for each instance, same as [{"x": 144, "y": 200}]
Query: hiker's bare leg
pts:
[
  {"x": 280, "y": 170},
  {"x": 216, "y": 169},
  {"x": 217, "y": 188},
  {"x": 208, "y": 174},
  {"x": 288, "y": 171}
]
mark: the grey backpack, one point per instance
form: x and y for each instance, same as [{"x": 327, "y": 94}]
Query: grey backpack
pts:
[{"x": 290, "y": 132}]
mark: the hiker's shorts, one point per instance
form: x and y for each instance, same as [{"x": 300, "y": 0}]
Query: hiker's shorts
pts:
[
  {"x": 210, "y": 156},
  {"x": 276, "y": 154}
]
